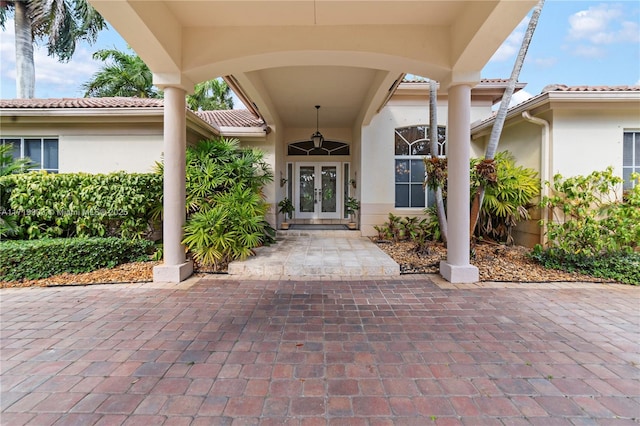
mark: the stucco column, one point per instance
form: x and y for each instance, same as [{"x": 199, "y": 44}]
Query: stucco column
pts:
[
  {"x": 457, "y": 268},
  {"x": 175, "y": 268}
]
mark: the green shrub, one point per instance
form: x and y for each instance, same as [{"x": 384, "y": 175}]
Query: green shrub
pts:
[
  {"x": 594, "y": 232},
  {"x": 33, "y": 259},
  {"x": 623, "y": 267},
  {"x": 225, "y": 203},
  {"x": 49, "y": 205},
  {"x": 589, "y": 216},
  {"x": 507, "y": 200},
  {"x": 229, "y": 230}
]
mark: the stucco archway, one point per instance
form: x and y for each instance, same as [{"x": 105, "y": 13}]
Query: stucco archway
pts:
[{"x": 262, "y": 47}]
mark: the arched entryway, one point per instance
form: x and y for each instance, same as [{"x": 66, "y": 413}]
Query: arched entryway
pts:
[{"x": 282, "y": 58}]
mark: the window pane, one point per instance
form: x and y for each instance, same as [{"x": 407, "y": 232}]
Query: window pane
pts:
[
  {"x": 402, "y": 195},
  {"x": 417, "y": 195},
  {"x": 402, "y": 170},
  {"x": 637, "y": 137},
  {"x": 626, "y": 175},
  {"x": 627, "y": 149},
  {"x": 402, "y": 147},
  {"x": 33, "y": 150},
  {"x": 420, "y": 147},
  {"x": 50, "y": 154},
  {"x": 417, "y": 171},
  {"x": 307, "y": 189}
]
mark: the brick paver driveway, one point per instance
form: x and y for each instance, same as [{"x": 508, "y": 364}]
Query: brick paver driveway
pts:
[{"x": 379, "y": 352}]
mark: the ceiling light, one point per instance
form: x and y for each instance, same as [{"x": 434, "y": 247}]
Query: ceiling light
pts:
[{"x": 317, "y": 137}]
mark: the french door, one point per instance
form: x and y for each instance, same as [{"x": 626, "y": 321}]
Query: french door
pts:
[{"x": 318, "y": 194}]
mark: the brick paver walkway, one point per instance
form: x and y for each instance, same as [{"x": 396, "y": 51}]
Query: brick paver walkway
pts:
[{"x": 402, "y": 351}]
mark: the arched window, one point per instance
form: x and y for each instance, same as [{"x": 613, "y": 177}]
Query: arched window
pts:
[
  {"x": 412, "y": 145},
  {"x": 327, "y": 148}
]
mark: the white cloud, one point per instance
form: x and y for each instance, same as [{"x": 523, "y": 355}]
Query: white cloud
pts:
[
  {"x": 53, "y": 78},
  {"x": 510, "y": 47},
  {"x": 603, "y": 24},
  {"x": 587, "y": 51}
]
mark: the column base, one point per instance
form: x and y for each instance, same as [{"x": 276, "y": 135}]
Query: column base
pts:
[
  {"x": 459, "y": 274},
  {"x": 172, "y": 273}
]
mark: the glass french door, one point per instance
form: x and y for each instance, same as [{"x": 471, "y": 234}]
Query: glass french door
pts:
[{"x": 318, "y": 194}]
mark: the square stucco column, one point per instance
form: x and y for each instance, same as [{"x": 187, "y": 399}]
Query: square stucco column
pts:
[
  {"x": 456, "y": 268},
  {"x": 174, "y": 268}
]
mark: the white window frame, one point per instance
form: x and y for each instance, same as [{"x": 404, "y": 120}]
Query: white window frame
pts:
[
  {"x": 40, "y": 161},
  {"x": 442, "y": 153},
  {"x": 630, "y": 165}
]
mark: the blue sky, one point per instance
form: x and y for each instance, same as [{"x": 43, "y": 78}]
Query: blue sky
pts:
[{"x": 576, "y": 43}]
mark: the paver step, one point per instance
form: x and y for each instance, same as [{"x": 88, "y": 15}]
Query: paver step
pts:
[{"x": 317, "y": 255}]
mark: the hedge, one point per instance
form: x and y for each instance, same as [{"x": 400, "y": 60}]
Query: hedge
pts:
[
  {"x": 33, "y": 259},
  {"x": 48, "y": 205}
]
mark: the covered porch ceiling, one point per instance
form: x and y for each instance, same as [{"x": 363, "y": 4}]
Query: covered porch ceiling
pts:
[{"x": 284, "y": 57}]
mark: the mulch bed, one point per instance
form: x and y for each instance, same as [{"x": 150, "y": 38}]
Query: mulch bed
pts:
[{"x": 494, "y": 262}]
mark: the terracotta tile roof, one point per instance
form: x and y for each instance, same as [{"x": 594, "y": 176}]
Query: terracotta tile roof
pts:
[
  {"x": 82, "y": 103},
  {"x": 565, "y": 88},
  {"x": 230, "y": 118},
  {"x": 221, "y": 118}
]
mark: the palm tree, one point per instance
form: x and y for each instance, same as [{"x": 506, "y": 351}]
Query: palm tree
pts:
[
  {"x": 125, "y": 75},
  {"x": 498, "y": 124},
  {"x": 211, "y": 95},
  {"x": 128, "y": 75},
  {"x": 62, "y": 23},
  {"x": 433, "y": 137}
]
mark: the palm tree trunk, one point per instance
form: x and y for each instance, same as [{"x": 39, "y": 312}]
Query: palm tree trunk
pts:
[
  {"x": 433, "y": 138},
  {"x": 25, "y": 70},
  {"x": 501, "y": 116}
]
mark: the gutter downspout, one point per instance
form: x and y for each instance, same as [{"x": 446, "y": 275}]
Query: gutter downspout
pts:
[{"x": 544, "y": 170}]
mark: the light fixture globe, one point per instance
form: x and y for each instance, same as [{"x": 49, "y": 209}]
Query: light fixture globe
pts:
[{"x": 317, "y": 137}]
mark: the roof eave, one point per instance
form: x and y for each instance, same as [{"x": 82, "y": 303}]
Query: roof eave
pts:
[
  {"x": 244, "y": 132},
  {"x": 558, "y": 98}
]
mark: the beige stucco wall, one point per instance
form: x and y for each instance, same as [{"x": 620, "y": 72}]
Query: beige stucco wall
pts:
[
  {"x": 109, "y": 153},
  {"x": 584, "y": 141}
]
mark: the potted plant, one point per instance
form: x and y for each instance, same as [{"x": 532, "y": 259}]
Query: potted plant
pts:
[
  {"x": 352, "y": 205},
  {"x": 286, "y": 208}
]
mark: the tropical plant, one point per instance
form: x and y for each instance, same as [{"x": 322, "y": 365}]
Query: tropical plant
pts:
[
  {"x": 352, "y": 205},
  {"x": 227, "y": 230},
  {"x": 60, "y": 23},
  {"x": 285, "y": 206},
  {"x": 594, "y": 232},
  {"x": 224, "y": 201},
  {"x": 123, "y": 74},
  {"x": 508, "y": 195},
  {"x": 589, "y": 216},
  {"x": 10, "y": 165},
  {"x": 210, "y": 95}
]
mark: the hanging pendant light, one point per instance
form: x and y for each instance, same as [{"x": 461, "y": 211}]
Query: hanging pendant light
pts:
[{"x": 317, "y": 137}]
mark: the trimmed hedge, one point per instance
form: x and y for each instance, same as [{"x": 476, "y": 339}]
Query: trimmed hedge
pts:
[
  {"x": 33, "y": 259},
  {"x": 49, "y": 205}
]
